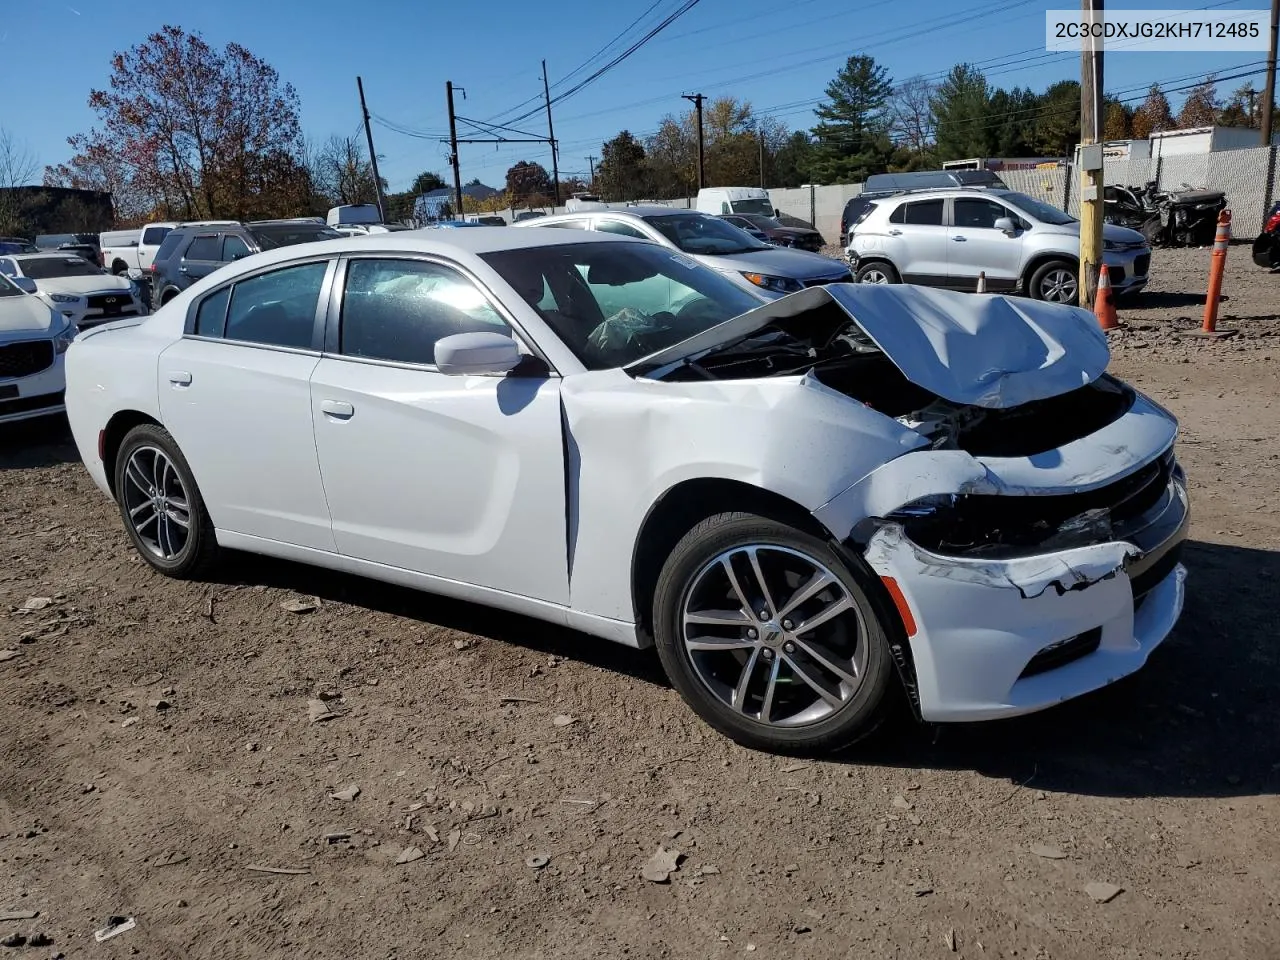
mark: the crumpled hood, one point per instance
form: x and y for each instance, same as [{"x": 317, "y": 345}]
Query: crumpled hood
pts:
[
  {"x": 21, "y": 317},
  {"x": 985, "y": 350},
  {"x": 80, "y": 286}
]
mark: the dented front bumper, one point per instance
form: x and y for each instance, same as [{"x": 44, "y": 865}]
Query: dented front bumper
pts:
[{"x": 998, "y": 635}]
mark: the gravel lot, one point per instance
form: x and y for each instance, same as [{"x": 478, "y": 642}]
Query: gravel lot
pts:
[{"x": 156, "y": 747}]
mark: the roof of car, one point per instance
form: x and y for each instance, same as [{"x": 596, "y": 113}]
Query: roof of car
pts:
[
  {"x": 637, "y": 210},
  {"x": 44, "y": 255}
]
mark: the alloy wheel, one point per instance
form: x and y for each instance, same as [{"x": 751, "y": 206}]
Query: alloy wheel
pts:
[
  {"x": 1058, "y": 286},
  {"x": 774, "y": 635},
  {"x": 156, "y": 502},
  {"x": 874, "y": 276}
]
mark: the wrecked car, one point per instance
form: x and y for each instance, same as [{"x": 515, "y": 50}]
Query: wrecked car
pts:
[{"x": 801, "y": 503}]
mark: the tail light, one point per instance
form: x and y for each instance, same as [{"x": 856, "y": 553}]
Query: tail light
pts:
[{"x": 1272, "y": 223}]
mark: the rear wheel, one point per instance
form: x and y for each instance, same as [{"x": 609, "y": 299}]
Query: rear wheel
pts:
[
  {"x": 1055, "y": 282},
  {"x": 161, "y": 505},
  {"x": 770, "y": 637},
  {"x": 877, "y": 272}
]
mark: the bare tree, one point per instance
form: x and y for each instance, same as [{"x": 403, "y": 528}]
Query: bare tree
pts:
[
  {"x": 341, "y": 172},
  {"x": 18, "y": 168},
  {"x": 911, "y": 117}
]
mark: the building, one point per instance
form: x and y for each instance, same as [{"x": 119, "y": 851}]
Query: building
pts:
[
  {"x": 998, "y": 163},
  {"x": 1192, "y": 141}
]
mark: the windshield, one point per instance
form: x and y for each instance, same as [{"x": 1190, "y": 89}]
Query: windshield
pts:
[
  {"x": 762, "y": 206},
  {"x": 614, "y": 303},
  {"x": 710, "y": 236},
  {"x": 1038, "y": 209},
  {"x": 53, "y": 268},
  {"x": 272, "y": 235}
]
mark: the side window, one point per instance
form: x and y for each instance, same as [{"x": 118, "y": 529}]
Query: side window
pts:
[
  {"x": 211, "y": 315},
  {"x": 154, "y": 235},
  {"x": 899, "y": 214},
  {"x": 8, "y": 268},
  {"x": 234, "y": 248},
  {"x": 397, "y": 310},
  {"x": 277, "y": 308},
  {"x": 204, "y": 247},
  {"x": 924, "y": 213},
  {"x": 977, "y": 213},
  {"x": 567, "y": 224},
  {"x": 724, "y": 207},
  {"x": 620, "y": 228}
]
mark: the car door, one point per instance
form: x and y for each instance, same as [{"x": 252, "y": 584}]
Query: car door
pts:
[
  {"x": 458, "y": 477},
  {"x": 202, "y": 256},
  {"x": 235, "y": 393},
  {"x": 916, "y": 241},
  {"x": 976, "y": 246}
]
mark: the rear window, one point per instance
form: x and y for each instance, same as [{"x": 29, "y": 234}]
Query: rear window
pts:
[
  {"x": 926, "y": 213},
  {"x": 154, "y": 235},
  {"x": 866, "y": 212},
  {"x": 170, "y": 244}
]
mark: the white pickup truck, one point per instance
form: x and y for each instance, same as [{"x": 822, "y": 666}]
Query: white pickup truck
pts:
[{"x": 132, "y": 251}]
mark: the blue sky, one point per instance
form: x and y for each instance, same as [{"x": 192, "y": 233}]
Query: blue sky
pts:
[{"x": 779, "y": 54}]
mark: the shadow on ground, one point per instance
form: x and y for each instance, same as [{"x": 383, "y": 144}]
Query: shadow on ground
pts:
[
  {"x": 1198, "y": 720},
  {"x": 42, "y": 442},
  {"x": 1161, "y": 300}
]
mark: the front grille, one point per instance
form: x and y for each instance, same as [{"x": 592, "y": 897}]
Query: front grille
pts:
[
  {"x": 111, "y": 304},
  {"x": 1141, "y": 265},
  {"x": 25, "y": 358},
  {"x": 1115, "y": 274},
  {"x": 1063, "y": 652},
  {"x": 27, "y": 404},
  {"x": 823, "y": 281}
]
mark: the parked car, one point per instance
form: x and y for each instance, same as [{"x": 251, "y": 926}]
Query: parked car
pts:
[
  {"x": 1266, "y": 247},
  {"x": 742, "y": 223},
  {"x": 801, "y": 238},
  {"x": 193, "y": 251},
  {"x": 524, "y": 215},
  {"x": 881, "y": 185},
  {"x": 717, "y": 200},
  {"x": 762, "y": 268},
  {"x": 584, "y": 201},
  {"x": 33, "y": 339},
  {"x": 802, "y": 504},
  {"x": 81, "y": 291},
  {"x": 81, "y": 244},
  {"x": 17, "y": 245},
  {"x": 364, "y": 229},
  {"x": 131, "y": 252},
  {"x": 945, "y": 238},
  {"x": 352, "y": 213}
]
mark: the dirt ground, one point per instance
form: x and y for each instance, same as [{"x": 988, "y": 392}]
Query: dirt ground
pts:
[{"x": 155, "y": 747}]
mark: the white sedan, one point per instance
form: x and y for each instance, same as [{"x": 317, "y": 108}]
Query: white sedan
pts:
[
  {"x": 803, "y": 503},
  {"x": 82, "y": 292},
  {"x": 33, "y": 341}
]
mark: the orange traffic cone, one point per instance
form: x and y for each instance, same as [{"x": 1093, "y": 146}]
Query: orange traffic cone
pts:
[{"x": 1104, "y": 305}]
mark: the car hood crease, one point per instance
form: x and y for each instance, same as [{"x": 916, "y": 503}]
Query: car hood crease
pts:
[{"x": 983, "y": 350}]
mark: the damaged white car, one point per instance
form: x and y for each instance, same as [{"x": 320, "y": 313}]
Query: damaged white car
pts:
[{"x": 802, "y": 503}]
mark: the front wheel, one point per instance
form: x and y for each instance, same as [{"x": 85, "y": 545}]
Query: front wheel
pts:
[
  {"x": 161, "y": 505},
  {"x": 770, "y": 637},
  {"x": 877, "y": 272},
  {"x": 1055, "y": 282}
]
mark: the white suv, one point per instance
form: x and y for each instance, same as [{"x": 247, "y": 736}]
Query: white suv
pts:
[{"x": 945, "y": 238}]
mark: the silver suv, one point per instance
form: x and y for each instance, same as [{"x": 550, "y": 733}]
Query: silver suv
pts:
[
  {"x": 766, "y": 270},
  {"x": 945, "y": 238}
]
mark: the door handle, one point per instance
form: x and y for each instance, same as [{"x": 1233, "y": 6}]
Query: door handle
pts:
[
  {"x": 895, "y": 233},
  {"x": 180, "y": 378},
  {"x": 337, "y": 409},
  {"x": 182, "y": 269},
  {"x": 959, "y": 239}
]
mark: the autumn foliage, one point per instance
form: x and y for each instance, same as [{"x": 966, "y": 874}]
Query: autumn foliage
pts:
[{"x": 192, "y": 132}]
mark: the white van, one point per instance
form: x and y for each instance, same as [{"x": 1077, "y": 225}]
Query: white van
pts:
[
  {"x": 721, "y": 200},
  {"x": 584, "y": 201},
  {"x": 353, "y": 213}
]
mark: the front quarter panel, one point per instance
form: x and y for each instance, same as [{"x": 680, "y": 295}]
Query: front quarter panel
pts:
[{"x": 632, "y": 440}]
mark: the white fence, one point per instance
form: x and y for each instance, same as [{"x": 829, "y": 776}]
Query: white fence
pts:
[{"x": 1248, "y": 177}]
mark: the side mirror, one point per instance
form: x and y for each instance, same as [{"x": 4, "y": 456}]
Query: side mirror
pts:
[
  {"x": 1005, "y": 225},
  {"x": 476, "y": 354},
  {"x": 25, "y": 284}
]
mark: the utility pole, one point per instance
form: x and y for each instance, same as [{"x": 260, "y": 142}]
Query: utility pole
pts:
[
  {"x": 551, "y": 135},
  {"x": 453, "y": 146},
  {"x": 760, "y": 138},
  {"x": 1089, "y": 159},
  {"x": 373, "y": 157},
  {"x": 1269, "y": 96},
  {"x": 592, "y": 161},
  {"x": 696, "y": 99}
]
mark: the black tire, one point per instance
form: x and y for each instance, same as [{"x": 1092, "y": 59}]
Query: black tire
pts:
[
  {"x": 1039, "y": 287},
  {"x": 877, "y": 267},
  {"x": 199, "y": 549},
  {"x": 864, "y": 707},
  {"x": 119, "y": 269}
]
